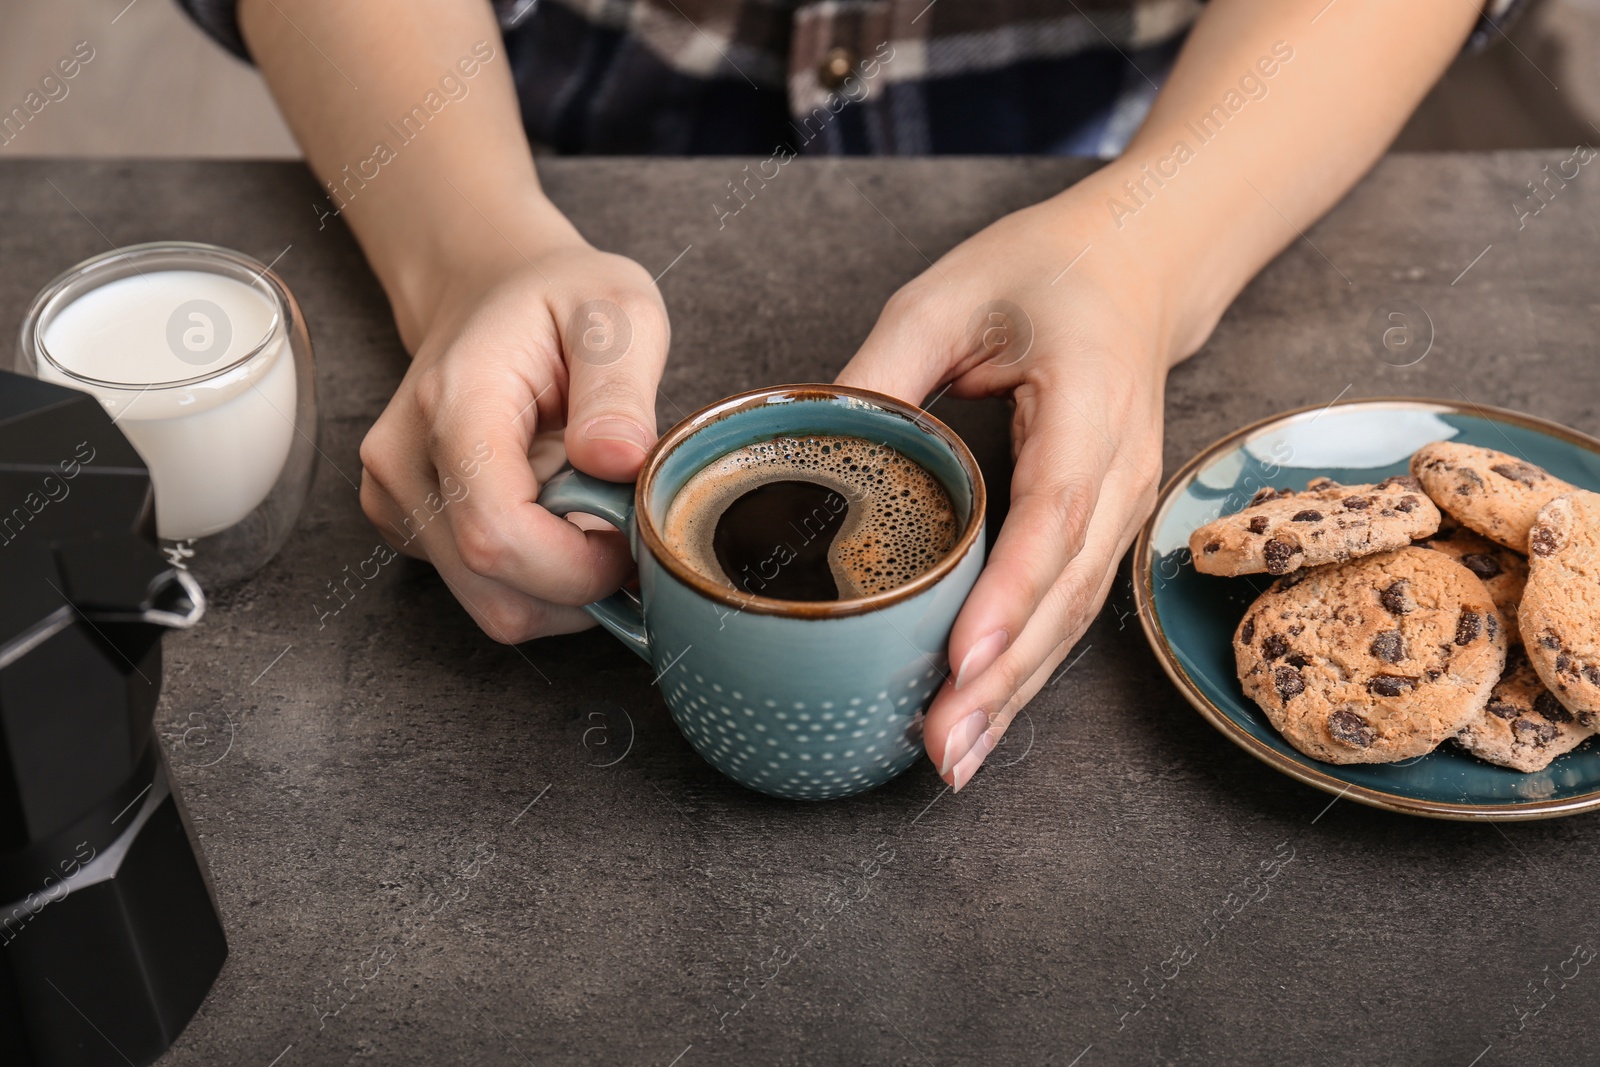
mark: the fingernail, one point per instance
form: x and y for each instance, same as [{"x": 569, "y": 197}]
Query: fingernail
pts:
[
  {"x": 962, "y": 738},
  {"x": 615, "y": 429},
  {"x": 973, "y": 760},
  {"x": 980, "y": 656}
]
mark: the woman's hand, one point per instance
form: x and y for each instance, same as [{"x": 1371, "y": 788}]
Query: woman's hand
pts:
[
  {"x": 517, "y": 327},
  {"x": 1174, "y": 228},
  {"x": 510, "y": 353},
  {"x": 1076, "y": 340}
]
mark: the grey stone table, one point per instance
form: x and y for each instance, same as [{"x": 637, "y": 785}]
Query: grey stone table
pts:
[{"x": 430, "y": 848}]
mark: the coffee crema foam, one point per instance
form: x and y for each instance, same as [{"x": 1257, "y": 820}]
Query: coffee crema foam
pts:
[{"x": 899, "y": 524}]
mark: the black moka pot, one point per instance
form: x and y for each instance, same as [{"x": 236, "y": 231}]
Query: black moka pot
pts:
[{"x": 109, "y": 930}]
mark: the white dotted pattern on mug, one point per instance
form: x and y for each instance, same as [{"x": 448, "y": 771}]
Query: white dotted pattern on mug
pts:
[{"x": 800, "y": 750}]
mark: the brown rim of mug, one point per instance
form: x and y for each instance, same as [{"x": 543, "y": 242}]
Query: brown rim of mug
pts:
[
  {"x": 1311, "y": 772},
  {"x": 804, "y": 609}
]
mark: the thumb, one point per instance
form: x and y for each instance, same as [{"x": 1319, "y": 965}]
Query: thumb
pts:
[
  {"x": 614, "y": 355},
  {"x": 906, "y": 354},
  {"x": 924, "y": 337}
]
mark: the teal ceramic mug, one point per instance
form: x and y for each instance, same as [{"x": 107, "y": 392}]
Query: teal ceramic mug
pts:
[{"x": 807, "y": 700}]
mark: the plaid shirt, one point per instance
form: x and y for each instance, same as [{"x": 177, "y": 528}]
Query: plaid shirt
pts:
[{"x": 830, "y": 77}]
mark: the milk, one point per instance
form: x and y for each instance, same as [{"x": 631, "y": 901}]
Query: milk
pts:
[{"x": 162, "y": 351}]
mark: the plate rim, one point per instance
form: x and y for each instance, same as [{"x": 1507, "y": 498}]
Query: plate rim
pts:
[{"x": 1155, "y": 635}]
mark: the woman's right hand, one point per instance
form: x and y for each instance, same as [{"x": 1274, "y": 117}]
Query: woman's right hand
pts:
[
  {"x": 512, "y": 352},
  {"x": 518, "y": 328}
]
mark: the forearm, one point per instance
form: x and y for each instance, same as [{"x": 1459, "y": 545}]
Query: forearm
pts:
[
  {"x": 415, "y": 153},
  {"x": 1234, "y": 161}
]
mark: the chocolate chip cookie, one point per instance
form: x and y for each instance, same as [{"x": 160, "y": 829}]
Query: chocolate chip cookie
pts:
[
  {"x": 1523, "y": 726},
  {"x": 1374, "y": 660},
  {"x": 1560, "y": 613},
  {"x": 1502, "y": 571},
  {"x": 1493, "y": 493},
  {"x": 1281, "y": 530}
]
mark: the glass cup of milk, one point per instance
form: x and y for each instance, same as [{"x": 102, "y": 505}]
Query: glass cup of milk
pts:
[{"x": 201, "y": 357}]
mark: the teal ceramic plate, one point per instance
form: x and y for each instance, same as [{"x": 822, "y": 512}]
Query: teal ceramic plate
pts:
[{"x": 1190, "y": 617}]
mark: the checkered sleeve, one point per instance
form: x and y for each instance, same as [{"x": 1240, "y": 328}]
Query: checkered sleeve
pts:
[
  {"x": 1497, "y": 15},
  {"x": 220, "y": 20}
]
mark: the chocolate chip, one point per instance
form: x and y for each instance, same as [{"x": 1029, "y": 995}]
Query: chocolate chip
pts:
[
  {"x": 1297, "y": 660},
  {"x": 1321, "y": 483},
  {"x": 1278, "y": 554},
  {"x": 1273, "y": 646},
  {"x": 1288, "y": 681},
  {"x": 1492, "y": 623},
  {"x": 1389, "y": 647},
  {"x": 1269, "y": 493},
  {"x": 1258, "y": 525},
  {"x": 1469, "y": 476},
  {"x": 1434, "y": 676},
  {"x": 1406, "y": 503},
  {"x": 1534, "y": 733},
  {"x": 1308, "y": 516},
  {"x": 1592, "y": 675},
  {"x": 1502, "y": 710},
  {"x": 1543, "y": 540},
  {"x": 1397, "y": 598},
  {"x": 1564, "y": 664},
  {"x": 1347, "y": 727},
  {"x": 1551, "y": 708},
  {"x": 1390, "y": 685},
  {"x": 1526, "y": 473},
  {"x": 1482, "y": 564},
  {"x": 1212, "y": 546},
  {"x": 1468, "y": 627},
  {"x": 1400, "y": 481},
  {"x": 1549, "y": 639},
  {"x": 1248, "y": 633},
  {"x": 1357, "y": 503}
]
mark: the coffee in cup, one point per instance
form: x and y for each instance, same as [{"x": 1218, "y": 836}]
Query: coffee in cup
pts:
[{"x": 818, "y": 517}]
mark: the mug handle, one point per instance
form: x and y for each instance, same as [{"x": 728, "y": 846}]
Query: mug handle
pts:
[{"x": 572, "y": 490}]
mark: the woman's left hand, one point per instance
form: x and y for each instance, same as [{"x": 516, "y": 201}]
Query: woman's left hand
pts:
[{"x": 1046, "y": 307}]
